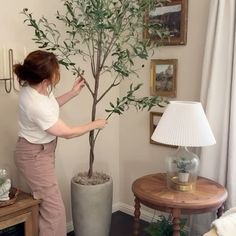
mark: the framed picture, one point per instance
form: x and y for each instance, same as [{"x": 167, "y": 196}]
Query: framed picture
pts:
[
  {"x": 174, "y": 17},
  {"x": 163, "y": 77},
  {"x": 154, "y": 119}
]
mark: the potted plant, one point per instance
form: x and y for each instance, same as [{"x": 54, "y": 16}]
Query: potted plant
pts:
[
  {"x": 183, "y": 166},
  {"x": 163, "y": 227},
  {"x": 106, "y": 33}
]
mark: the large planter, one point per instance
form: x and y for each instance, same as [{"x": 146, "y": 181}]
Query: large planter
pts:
[{"x": 91, "y": 208}]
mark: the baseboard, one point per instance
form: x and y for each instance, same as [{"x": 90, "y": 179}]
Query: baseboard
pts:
[
  {"x": 116, "y": 207},
  {"x": 119, "y": 206},
  {"x": 145, "y": 215},
  {"x": 69, "y": 227}
]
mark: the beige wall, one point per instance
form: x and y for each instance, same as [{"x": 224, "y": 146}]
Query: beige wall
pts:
[
  {"x": 137, "y": 156},
  {"x": 72, "y": 155},
  {"x": 123, "y": 150}
]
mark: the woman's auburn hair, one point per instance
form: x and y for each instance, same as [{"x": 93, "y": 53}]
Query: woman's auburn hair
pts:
[{"x": 38, "y": 66}]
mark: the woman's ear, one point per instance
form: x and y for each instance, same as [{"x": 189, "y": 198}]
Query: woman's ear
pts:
[{"x": 46, "y": 82}]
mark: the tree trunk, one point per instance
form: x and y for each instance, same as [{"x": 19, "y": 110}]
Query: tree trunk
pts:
[
  {"x": 95, "y": 95},
  {"x": 91, "y": 133},
  {"x": 91, "y": 153}
]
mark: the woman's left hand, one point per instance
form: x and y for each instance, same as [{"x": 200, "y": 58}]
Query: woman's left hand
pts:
[{"x": 78, "y": 85}]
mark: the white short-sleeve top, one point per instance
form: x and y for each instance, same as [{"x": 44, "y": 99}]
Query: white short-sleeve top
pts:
[{"x": 37, "y": 113}]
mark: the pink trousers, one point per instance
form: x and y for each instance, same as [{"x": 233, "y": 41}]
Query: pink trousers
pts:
[{"x": 36, "y": 162}]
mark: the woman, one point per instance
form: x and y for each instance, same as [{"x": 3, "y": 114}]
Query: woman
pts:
[{"x": 40, "y": 124}]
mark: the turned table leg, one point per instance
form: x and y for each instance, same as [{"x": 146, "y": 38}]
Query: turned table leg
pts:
[
  {"x": 136, "y": 217},
  {"x": 176, "y": 222},
  {"x": 220, "y": 211}
]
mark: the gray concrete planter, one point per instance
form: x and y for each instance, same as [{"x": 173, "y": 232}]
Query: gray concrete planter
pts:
[{"x": 91, "y": 208}]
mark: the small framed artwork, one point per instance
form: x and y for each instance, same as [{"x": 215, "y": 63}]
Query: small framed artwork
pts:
[
  {"x": 173, "y": 16},
  {"x": 154, "y": 119},
  {"x": 163, "y": 77}
]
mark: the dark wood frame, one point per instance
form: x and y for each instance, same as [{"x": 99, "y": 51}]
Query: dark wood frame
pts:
[
  {"x": 173, "y": 39},
  {"x": 153, "y": 78},
  {"x": 152, "y": 128}
]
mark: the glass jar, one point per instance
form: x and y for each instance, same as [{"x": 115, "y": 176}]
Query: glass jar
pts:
[
  {"x": 182, "y": 170},
  {"x": 4, "y": 175}
]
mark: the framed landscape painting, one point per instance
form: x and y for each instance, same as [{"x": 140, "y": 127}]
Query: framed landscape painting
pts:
[
  {"x": 174, "y": 17},
  {"x": 163, "y": 77}
]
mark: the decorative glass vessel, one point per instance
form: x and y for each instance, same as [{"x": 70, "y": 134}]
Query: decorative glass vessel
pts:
[
  {"x": 4, "y": 175},
  {"x": 5, "y": 184},
  {"x": 182, "y": 170}
]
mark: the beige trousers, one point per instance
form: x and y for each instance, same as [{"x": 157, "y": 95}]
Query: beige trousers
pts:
[{"x": 36, "y": 162}]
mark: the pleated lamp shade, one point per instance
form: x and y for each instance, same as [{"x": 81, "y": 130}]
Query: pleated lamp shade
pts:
[{"x": 184, "y": 123}]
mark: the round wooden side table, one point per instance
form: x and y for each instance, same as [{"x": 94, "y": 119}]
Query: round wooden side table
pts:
[{"x": 152, "y": 191}]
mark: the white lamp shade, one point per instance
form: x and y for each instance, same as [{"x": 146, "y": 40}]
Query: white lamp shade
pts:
[{"x": 184, "y": 123}]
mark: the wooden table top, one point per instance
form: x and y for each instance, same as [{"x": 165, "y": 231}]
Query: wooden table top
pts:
[
  {"x": 153, "y": 189},
  {"x": 23, "y": 201}
]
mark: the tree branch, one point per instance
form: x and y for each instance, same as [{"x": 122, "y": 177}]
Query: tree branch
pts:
[{"x": 109, "y": 88}]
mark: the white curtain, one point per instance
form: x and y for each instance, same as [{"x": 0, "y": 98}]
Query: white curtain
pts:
[{"x": 218, "y": 96}]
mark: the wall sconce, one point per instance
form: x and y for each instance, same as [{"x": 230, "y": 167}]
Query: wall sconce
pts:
[{"x": 8, "y": 75}]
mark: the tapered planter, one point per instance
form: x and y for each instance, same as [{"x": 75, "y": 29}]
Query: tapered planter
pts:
[{"x": 91, "y": 208}]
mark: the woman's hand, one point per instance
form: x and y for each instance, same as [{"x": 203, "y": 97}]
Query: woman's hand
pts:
[
  {"x": 78, "y": 85},
  {"x": 60, "y": 129},
  {"x": 100, "y": 123}
]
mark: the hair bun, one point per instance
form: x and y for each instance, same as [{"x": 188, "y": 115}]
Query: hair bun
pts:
[{"x": 25, "y": 74}]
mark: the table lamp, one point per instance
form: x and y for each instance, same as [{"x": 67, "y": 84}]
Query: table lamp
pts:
[{"x": 183, "y": 124}]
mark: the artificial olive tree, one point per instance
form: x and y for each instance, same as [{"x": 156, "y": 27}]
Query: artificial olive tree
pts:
[{"x": 108, "y": 34}]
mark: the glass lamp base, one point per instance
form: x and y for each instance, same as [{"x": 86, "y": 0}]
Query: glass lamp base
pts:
[
  {"x": 182, "y": 169},
  {"x": 174, "y": 183}
]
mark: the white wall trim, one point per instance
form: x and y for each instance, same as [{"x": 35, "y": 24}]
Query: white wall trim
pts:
[
  {"x": 145, "y": 215},
  {"x": 69, "y": 226},
  {"x": 115, "y": 207}
]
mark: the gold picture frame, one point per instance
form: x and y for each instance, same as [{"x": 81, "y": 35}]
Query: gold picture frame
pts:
[
  {"x": 163, "y": 77},
  {"x": 174, "y": 17},
  {"x": 154, "y": 119}
]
